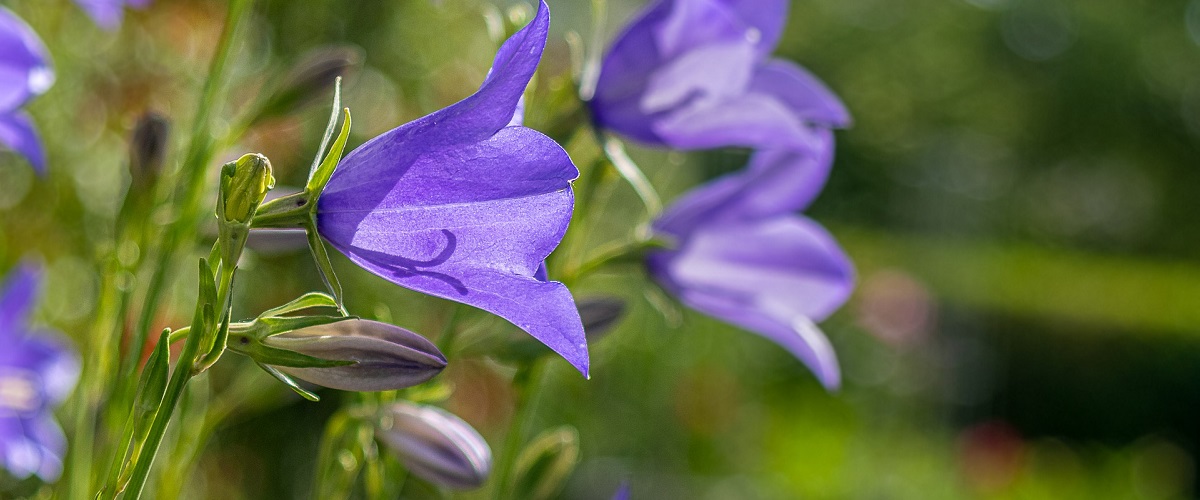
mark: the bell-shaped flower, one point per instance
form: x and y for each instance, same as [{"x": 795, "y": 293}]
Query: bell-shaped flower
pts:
[
  {"x": 25, "y": 73},
  {"x": 107, "y": 14},
  {"x": 37, "y": 372},
  {"x": 466, "y": 203},
  {"x": 436, "y": 446},
  {"x": 742, "y": 255},
  {"x": 694, "y": 74},
  {"x": 384, "y": 357}
]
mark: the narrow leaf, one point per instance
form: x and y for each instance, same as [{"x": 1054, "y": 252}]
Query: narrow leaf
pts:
[{"x": 280, "y": 376}]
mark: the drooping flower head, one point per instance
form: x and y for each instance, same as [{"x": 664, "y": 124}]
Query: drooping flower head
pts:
[
  {"x": 742, "y": 255},
  {"x": 694, "y": 74},
  {"x": 108, "y": 13},
  {"x": 37, "y": 371},
  {"x": 25, "y": 73},
  {"x": 436, "y": 445},
  {"x": 466, "y": 204}
]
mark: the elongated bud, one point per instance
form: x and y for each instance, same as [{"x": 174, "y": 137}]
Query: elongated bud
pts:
[
  {"x": 312, "y": 78},
  {"x": 545, "y": 465},
  {"x": 148, "y": 150},
  {"x": 436, "y": 446},
  {"x": 244, "y": 185},
  {"x": 599, "y": 315},
  {"x": 385, "y": 357}
]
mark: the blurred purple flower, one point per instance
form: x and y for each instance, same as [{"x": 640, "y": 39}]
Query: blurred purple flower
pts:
[
  {"x": 466, "y": 203},
  {"x": 694, "y": 74},
  {"x": 37, "y": 371},
  {"x": 108, "y": 13},
  {"x": 25, "y": 72},
  {"x": 742, "y": 255}
]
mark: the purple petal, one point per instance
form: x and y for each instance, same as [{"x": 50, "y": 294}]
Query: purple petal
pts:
[
  {"x": 774, "y": 277},
  {"x": 24, "y": 63},
  {"x": 454, "y": 205},
  {"x": 48, "y": 358},
  {"x": 695, "y": 23},
  {"x": 801, "y": 91},
  {"x": 32, "y": 445},
  {"x": 625, "y": 73},
  {"x": 766, "y": 17},
  {"x": 105, "y": 13},
  {"x": 17, "y": 133},
  {"x": 623, "y": 492},
  {"x": 17, "y": 295},
  {"x": 776, "y": 182},
  {"x": 473, "y": 119},
  {"x": 707, "y": 74},
  {"x": 750, "y": 120}
]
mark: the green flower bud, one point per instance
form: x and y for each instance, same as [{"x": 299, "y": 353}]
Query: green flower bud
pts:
[{"x": 244, "y": 185}]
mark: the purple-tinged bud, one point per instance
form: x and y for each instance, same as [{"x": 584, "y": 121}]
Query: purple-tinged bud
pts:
[
  {"x": 148, "y": 150},
  {"x": 436, "y": 445},
  {"x": 599, "y": 315},
  {"x": 385, "y": 357}
]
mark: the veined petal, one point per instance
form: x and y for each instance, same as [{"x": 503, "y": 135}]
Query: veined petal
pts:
[
  {"x": 24, "y": 63},
  {"x": 17, "y": 295},
  {"x": 773, "y": 277},
  {"x": 803, "y": 92},
  {"x": 749, "y": 120},
  {"x": 776, "y": 182},
  {"x": 473, "y": 119},
  {"x": 18, "y": 133}
]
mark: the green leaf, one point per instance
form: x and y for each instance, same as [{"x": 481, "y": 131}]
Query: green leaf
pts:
[
  {"x": 282, "y": 377},
  {"x": 324, "y": 265},
  {"x": 153, "y": 385}
]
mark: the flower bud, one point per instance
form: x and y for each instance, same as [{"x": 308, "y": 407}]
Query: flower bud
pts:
[
  {"x": 599, "y": 315},
  {"x": 436, "y": 446},
  {"x": 312, "y": 78},
  {"x": 245, "y": 183},
  {"x": 385, "y": 357},
  {"x": 148, "y": 150}
]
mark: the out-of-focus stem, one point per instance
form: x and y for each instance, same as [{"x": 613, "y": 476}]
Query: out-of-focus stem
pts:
[
  {"x": 189, "y": 197},
  {"x": 529, "y": 382}
]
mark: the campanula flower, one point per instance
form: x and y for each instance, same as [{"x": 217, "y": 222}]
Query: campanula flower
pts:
[
  {"x": 108, "y": 13},
  {"x": 436, "y": 446},
  {"x": 37, "y": 371},
  {"x": 694, "y": 74},
  {"x": 742, "y": 254},
  {"x": 25, "y": 72},
  {"x": 465, "y": 204}
]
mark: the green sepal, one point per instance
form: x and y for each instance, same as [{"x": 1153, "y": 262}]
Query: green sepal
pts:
[
  {"x": 306, "y": 301},
  {"x": 274, "y": 356},
  {"x": 262, "y": 328},
  {"x": 333, "y": 119},
  {"x": 282, "y": 377},
  {"x": 319, "y": 176},
  {"x": 206, "y": 298}
]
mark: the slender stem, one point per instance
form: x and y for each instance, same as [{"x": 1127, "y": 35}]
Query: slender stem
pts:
[
  {"x": 529, "y": 382},
  {"x": 192, "y": 186}
]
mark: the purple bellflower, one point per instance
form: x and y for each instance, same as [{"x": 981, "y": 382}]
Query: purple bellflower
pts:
[
  {"x": 436, "y": 445},
  {"x": 742, "y": 254},
  {"x": 25, "y": 72},
  {"x": 37, "y": 371},
  {"x": 694, "y": 74},
  {"x": 107, "y": 14},
  {"x": 466, "y": 204}
]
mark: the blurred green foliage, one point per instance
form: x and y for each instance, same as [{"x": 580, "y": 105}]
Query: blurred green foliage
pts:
[{"x": 1018, "y": 191}]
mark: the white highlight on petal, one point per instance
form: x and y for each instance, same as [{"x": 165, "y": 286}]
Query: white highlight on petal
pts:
[
  {"x": 40, "y": 79},
  {"x": 18, "y": 393}
]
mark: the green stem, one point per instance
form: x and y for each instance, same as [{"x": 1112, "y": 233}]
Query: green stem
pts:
[
  {"x": 530, "y": 384},
  {"x": 192, "y": 186}
]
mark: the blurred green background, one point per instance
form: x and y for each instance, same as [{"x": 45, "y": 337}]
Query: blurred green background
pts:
[{"x": 1018, "y": 191}]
